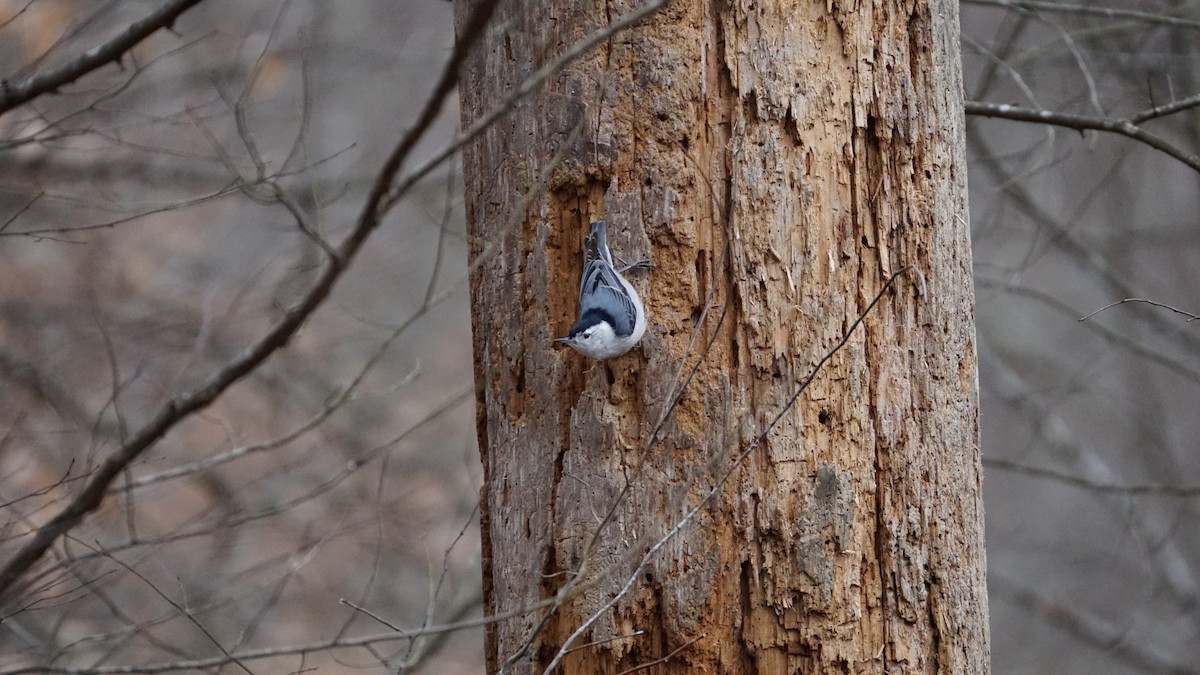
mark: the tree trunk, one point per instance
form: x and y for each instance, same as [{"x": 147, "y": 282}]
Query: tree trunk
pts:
[{"x": 777, "y": 162}]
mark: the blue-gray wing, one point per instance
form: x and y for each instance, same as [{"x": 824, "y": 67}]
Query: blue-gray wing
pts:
[{"x": 602, "y": 290}]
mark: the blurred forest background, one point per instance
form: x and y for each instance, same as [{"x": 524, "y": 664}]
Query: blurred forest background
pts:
[{"x": 158, "y": 216}]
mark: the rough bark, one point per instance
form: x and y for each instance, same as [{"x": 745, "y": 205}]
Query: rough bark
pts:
[{"x": 777, "y": 162}]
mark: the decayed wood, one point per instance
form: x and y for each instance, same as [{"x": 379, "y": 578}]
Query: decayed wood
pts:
[{"x": 777, "y": 162}]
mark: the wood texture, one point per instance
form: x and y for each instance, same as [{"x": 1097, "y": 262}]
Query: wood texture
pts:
[{"x": 777, "y": 162}]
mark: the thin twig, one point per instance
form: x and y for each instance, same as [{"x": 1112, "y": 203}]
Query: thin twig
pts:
[
  {"x": 728, "y": 474},
  {"x": 665, "y": 657},
  {"x": 1174, "y": 365},
  {"x": 1189, "y": 315},
  {"x": 1124, "y": 127},
  {"x": 1107, "y": 12},
  {"x": 1152, "y": 489},
  {"x": 1073, "y": 619},
  {"x": 179, "y": 608},
  {"x": 369, "y": 613},
  {"x": 1166, "y": 109},
  {"x": 13, "y": 95},
  {"x": 183, "y": 405}
]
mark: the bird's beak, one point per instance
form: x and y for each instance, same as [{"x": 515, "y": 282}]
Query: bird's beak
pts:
[{"x": 565, "y": 340}]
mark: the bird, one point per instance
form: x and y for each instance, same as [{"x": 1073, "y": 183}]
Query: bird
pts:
[{"x": 612, "y": 317}]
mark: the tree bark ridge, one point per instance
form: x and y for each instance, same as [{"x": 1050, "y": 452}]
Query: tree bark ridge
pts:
[{"x": 777, "y": 163}]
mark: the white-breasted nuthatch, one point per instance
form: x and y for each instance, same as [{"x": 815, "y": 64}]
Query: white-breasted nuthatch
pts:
[{"x": 611, "y": 316}]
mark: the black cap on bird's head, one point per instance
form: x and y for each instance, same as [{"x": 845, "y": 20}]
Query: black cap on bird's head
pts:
[
  {"x": 590, "y": 318},
  {"x": 611, "y": 316}
]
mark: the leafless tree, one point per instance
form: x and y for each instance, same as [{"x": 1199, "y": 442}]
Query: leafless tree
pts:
[
  {"x": 235, "y": 420},
  {"x": 1085, "y": 159},
  {"x": 234, "y": 431},
  {"x": 784, "y": 476}
]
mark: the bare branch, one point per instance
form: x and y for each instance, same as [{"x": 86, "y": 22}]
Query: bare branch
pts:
[
  {"x": 1189, "y": 315},
  {"x": 1177, "y": 366},
  {"x": 182, "y": 611},
  {"x": 1090, "y": 629},
  {"x": 1163, "y": 18},
  {"x": 1151, "y": 489},
  {"x": 183, "y": 405},
  {"x": 665, "y": 657},
  {"x": 1166, "y": 109},
  {"x": 1124, "y": 127},
  {"x": 527, "y": 87},
  {"x": 51, "y": 80}
]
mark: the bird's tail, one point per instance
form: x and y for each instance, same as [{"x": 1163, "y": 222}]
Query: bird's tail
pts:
[{"x": 597, "y": 242}]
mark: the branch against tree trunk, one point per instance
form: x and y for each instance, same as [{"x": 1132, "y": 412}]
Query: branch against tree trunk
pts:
[{"x": 777, "y": 168}]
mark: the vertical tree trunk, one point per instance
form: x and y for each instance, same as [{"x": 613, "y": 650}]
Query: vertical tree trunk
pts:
[{"x": 777, "y": 161}]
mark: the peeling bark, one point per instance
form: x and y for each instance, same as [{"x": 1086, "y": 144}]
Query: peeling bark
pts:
[{"x": 777, "y": 162}]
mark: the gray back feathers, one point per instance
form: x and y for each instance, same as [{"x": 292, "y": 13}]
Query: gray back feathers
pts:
[{"x": 601, "y": 290}]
